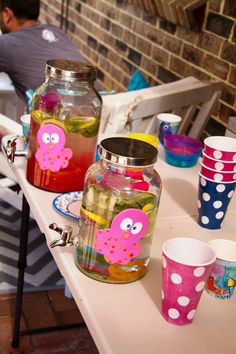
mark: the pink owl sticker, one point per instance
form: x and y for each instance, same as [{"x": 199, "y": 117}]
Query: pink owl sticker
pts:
[
  {"x": 51, "y": 153},
  {"x": 119, "y": 244}
]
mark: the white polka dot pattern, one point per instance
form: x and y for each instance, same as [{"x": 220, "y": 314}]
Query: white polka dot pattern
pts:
[
  {"x": 183, "y": 301},
  {"x": 203, "y": 182},
  {"x": 200, "y": 286},
  {"x": 173, "y": 313},
  {"x": 205, "y": 220},
  {"x": 219, "y": 166},
  {"x": 176, "y": 278},
  {"x": 217, "y": 154},
  {"x": 219, "y": 215},
  {"x": 198, "y": 272},
  {"x": 234, "y": 158},
  {"x": 217, "y": 204},
  {"x": 206, "y": 197},
  {"x": 220, "y": 188},
  {"x": 191, "y": 314},
  {"x": 218, "y": 177}
]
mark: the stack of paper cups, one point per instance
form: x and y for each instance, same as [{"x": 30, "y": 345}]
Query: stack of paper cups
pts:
[{"x": 217, "y": 180}]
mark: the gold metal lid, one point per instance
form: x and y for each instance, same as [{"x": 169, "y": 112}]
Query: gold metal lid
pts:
[
  {"x": 127, "y": 152},
  {"x": 70, "y": 70}
]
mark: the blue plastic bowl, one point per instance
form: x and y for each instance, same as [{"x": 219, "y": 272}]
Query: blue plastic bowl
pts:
[{"x": 181, "y": 160}]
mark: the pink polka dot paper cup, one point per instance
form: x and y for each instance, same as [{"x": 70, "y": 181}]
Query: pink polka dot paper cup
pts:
[
  {"x": 220, "y": 148},
  {"x": 219, "y": 165},
  {"x": 218, "y": 176},
  {"x": 186, "y": 266}
]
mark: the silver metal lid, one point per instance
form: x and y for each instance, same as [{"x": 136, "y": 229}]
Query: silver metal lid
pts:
[
  {"x": 70, "y": 70},
  {"x": 127, "y": 152}
]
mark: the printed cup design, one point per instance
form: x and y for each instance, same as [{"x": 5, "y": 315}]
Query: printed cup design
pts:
[
  {"x": 222, "y": 280},
  {"x": 219, "y": 176},
  {"x": 213, "y": 201},
  {"x": 218, "y": 165},
  {"x": 167, "y": 123},
  {"x": 186, "y": 266},
  {"x": 25, "y": 121},
  {"x": 220, "y": 148}
]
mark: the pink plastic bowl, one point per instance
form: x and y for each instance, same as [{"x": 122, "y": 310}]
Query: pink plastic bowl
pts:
[
  {"x": 182, "y": 144},
  {"x": 218, "y": 165},
  {"x": 220, "y": 148},
  {"x": 219, "y": 176}
]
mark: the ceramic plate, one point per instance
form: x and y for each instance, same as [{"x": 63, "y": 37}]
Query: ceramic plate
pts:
[{"x": 68, "y": 204}]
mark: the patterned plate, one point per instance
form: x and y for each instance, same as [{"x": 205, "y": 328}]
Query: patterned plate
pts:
[{"x": 68, "y": 204}]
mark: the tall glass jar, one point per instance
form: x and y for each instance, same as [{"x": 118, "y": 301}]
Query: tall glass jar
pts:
[
  {"x": 65, "y": 121},
  {"x": 118, "y": 213}
]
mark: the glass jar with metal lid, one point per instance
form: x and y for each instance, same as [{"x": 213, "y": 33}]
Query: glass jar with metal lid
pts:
[
  {"x": 65, "y": 121},
  {"x": 118, "y": 212}
]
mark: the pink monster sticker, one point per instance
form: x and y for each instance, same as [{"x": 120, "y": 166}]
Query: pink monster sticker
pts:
[
  {"x": 119, "y": 244},
  {"x": 51, "y": 153}
]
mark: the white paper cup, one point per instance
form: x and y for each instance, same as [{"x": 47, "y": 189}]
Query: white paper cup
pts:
[
  {"x": 25, "y": 121},
  {"x": 222, "y": 280},
  {"x": 167, "y": 123}
]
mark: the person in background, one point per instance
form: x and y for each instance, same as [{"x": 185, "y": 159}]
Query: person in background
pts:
[{"x": 26, "y": 45}]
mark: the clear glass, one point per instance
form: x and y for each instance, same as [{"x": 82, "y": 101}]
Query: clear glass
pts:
[
  {"x": 118, "y": 215},
  {"x": 65, "y": 120}
]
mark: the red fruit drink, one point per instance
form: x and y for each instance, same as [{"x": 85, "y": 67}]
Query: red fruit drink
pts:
[{"x": 60, "y": 152}]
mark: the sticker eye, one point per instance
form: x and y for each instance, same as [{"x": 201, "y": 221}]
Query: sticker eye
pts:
[
  {"x": 126, "y": 224},
  {"x": 165, "y": 127},
  {"x": 54, "y": 138},
  {"x": 136, "y": 228},
  {"x": 46, "y": 138}
]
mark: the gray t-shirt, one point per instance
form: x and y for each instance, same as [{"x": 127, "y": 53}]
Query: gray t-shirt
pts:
[{"x": 24, "y": 53}]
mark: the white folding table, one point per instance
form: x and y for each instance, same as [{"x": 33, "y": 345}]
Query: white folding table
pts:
[{"x": 126, "y": 319}]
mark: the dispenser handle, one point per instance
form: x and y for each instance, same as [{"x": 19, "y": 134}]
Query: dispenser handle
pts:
[
  {"x": 10, "y": 149},
  {"x": 65, "y": 233}
]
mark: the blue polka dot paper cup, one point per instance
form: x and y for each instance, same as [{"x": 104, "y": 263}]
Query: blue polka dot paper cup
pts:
[
  {"x": 186, "y": 266},
  {"x": 213, "y": 201}
]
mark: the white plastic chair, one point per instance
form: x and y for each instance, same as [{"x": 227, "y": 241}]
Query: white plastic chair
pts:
[
  {"x": 192, "y": 99},
  {"x": 8, "y": 179},
  {"x": 10, "y": 104},
  {"x": 231, "y": 128}
]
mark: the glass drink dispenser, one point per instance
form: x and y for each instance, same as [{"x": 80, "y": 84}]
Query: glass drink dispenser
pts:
[
  {"x": 65, "y": 120},
  {"x": 118, "y": 212}
]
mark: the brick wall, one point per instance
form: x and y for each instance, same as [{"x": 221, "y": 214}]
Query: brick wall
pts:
[{"x": 119, "y": 38}]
